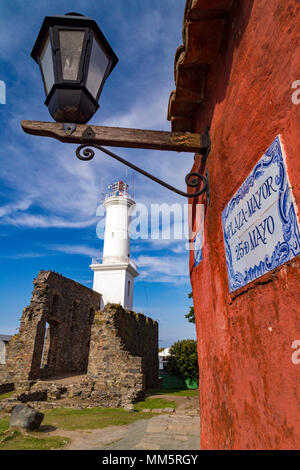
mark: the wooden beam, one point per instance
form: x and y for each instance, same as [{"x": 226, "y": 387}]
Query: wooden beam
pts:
[{"x": 120, "y": 137}]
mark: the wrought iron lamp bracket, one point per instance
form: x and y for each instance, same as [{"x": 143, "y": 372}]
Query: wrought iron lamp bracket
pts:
[{"x": 85, "y": 152}]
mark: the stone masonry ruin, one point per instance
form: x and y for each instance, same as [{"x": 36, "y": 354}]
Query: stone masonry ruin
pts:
[{"x": 67, "y": 348}]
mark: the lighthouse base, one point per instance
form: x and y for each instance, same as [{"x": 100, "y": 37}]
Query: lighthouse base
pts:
[{"x": 115, "y": 283}]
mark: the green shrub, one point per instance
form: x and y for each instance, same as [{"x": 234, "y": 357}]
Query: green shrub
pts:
[{"x": 183, "y": 359}]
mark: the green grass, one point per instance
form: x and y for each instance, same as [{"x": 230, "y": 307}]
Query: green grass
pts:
[
  {"x": 6, "y": 395},
  {"x": 4, "y": 424},
  {"x": 72, "y": 419},
  {"x": 152, "y": 403},
  {"x": 15, "y": 440},
  {"x": 68, "y": 419},
  {"x": 90, "y": 418},
  {"x": 173, "y": 392}
]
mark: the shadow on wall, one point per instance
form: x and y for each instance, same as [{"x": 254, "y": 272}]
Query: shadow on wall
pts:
[{"x": 235, "y": 26}]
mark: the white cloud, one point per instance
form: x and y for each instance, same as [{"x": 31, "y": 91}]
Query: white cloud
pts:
[
  {"x": 46, "y": 171},
  {"x": 25, "y": 255},
  {"x": 146, "y": 112},
  {"x": 47, "y": 185},
  {"x": 14, "y": 206},
  {"x": 84, "y": 281},
  {"x": 167, "y": 269},
  {"x": 75, "y": 250},
  {"x": 39, "y": 221}
]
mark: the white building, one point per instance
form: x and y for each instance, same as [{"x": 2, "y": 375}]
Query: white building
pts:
[
  {"x": 163, "y": 357},
  {"x": 4, "y": 340},
  {"x": 114, "y": 278}
]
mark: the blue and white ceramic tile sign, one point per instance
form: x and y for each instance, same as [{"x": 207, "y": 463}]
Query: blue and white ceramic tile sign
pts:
[
  {"x": 260, "y": 225},
  {"x": 197, "y": 245}
]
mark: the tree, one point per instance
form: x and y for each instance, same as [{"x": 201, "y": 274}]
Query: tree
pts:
[
  {"x": 191, "y": 315},
  {"x": 183, "y": 359}
]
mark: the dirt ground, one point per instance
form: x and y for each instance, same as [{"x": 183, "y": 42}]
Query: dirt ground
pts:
[
  {"x": 102, "y": 438},
  {"x": 90, "y": 439},
  {"x": 167, "y": 430}
]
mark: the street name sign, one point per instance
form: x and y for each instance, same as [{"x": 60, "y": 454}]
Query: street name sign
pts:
[{"x": 260, "y": 224}]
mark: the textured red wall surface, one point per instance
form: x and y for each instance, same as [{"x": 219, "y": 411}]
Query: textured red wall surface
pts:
[{"x": 249, "y": 386}]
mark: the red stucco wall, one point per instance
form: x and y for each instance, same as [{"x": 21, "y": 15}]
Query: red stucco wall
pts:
[{"x": 249, "y": 386}]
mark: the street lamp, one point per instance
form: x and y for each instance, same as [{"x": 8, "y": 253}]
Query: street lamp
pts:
[{"x": 75, "y": 59}]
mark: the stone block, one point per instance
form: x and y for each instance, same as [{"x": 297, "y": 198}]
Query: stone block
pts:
[
  {"x": 169, "y": 410},
  {"x": 39, "y": 395},
  {"x": 147, "y": 446},
  {"x": 181, "y": 438},
  {"x": 156, "y": 428},
  {"x": 23, "y": 416},
  {"x": 129, "y": 407},
  {"x": 178, "y": 429}
]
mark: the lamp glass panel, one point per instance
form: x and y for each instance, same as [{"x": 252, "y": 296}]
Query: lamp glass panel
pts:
[
  {"x": 71, "y": 43},
  {"x": 47, "y": 65},
  {"x": 97, "y": 68}
]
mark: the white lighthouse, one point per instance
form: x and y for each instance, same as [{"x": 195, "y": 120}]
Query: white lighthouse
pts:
[{"x": 114, "y": 278}]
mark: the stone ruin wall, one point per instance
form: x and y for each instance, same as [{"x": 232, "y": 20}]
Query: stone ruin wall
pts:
[
  {"x": 54, "y": 333},
  {"x": 123, "y": 353},
  {"x": 62, "y": 332}
]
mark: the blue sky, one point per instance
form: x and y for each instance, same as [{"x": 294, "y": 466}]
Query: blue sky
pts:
[{"x": 48, "y": 198}]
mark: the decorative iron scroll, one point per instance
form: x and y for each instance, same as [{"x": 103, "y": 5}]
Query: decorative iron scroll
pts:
[{"x": 85, "y": 152}]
